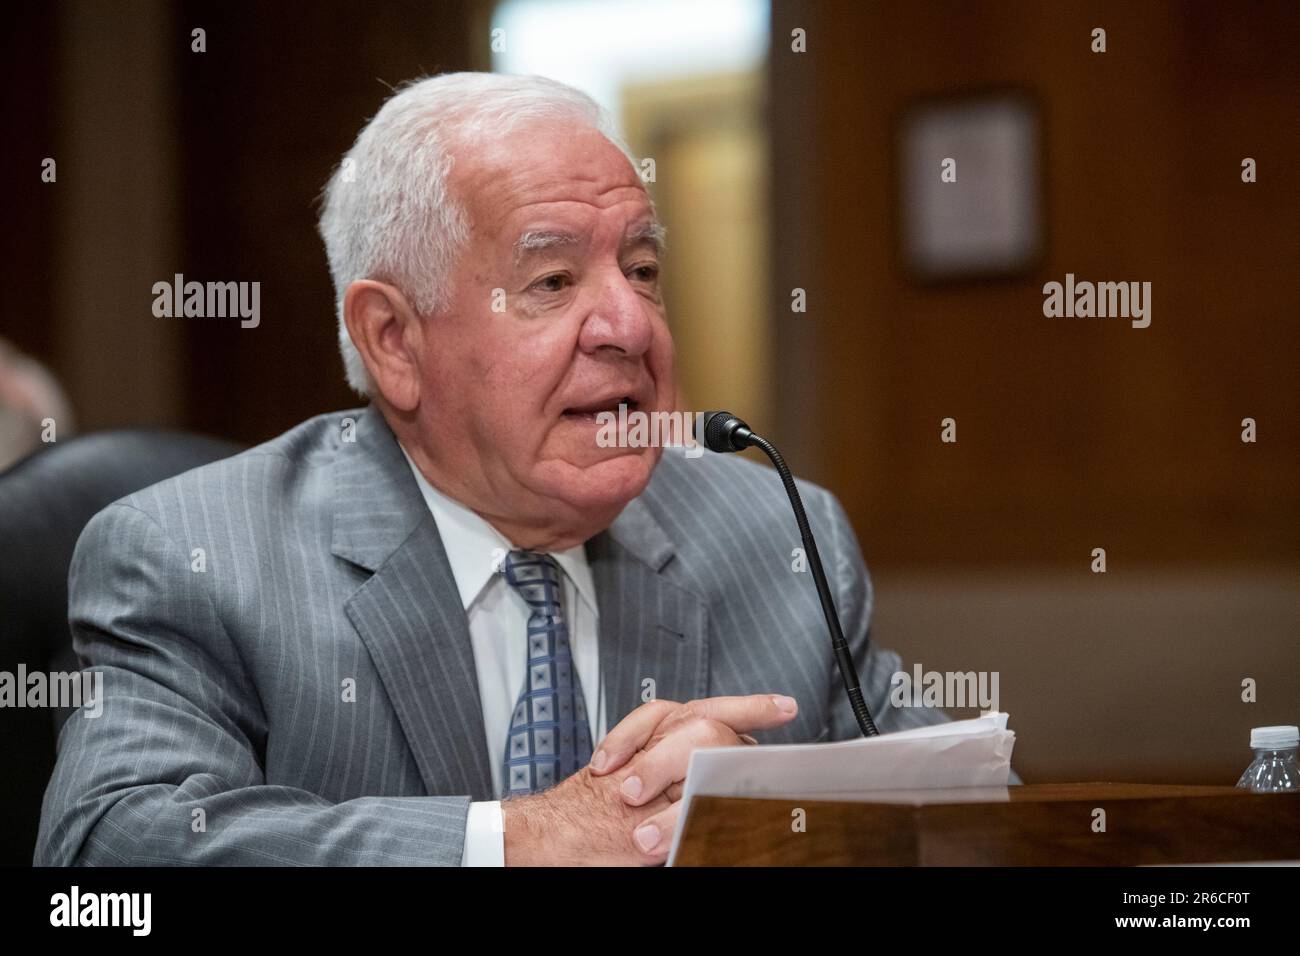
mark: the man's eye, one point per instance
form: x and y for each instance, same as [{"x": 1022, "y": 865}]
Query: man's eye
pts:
[
  {"x": 646, "y": 273},
  {"x": 552, "y": 283}
]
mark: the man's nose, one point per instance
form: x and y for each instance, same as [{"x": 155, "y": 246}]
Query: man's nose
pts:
[{"x": 620, "y": 320}]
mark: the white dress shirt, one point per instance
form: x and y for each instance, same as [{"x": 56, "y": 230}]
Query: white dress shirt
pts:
[{"x": 498, "y": 629}]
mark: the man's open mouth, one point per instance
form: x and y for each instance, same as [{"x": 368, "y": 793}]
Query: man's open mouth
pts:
[{"x": 610, "y": 406}]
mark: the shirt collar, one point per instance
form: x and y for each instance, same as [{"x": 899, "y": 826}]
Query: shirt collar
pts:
[{"x": 474, "y": 547}]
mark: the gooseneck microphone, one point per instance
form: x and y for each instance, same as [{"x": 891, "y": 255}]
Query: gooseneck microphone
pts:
[{"x": 724, "y": 432}]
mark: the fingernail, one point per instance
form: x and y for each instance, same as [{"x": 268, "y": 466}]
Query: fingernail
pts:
[
  {"x": 647, "y": 837},
  {"x": 786, "y": 705},
  {"x": 598, "y": 761},
  {"x": 631, "y": 787}
]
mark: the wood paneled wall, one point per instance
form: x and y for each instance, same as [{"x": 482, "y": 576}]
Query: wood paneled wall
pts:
[
  {"x": 1072, "y": 433},
  {"x": 266, "y": 114}
]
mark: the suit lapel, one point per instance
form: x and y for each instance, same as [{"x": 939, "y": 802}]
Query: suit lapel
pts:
[
  {"x": 409, "y": 611},
  {"x": 651, "y": 629}
]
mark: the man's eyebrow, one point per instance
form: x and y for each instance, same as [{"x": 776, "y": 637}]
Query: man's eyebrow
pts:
[
  {"x": 539, "y": 239},
  {"x": 647, "y": 233}
]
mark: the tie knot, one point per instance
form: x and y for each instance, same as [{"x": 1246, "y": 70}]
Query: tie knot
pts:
[{"x": 537, "y": 579}]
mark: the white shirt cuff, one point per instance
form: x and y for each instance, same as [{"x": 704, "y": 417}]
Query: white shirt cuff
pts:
[{"x": 485, "y": 835}]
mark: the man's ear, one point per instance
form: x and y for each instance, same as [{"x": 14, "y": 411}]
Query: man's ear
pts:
[{"x": 386, "y": 331}]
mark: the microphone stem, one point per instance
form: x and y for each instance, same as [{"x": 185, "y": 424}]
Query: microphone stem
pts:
[{"x": 841, "y": 647}]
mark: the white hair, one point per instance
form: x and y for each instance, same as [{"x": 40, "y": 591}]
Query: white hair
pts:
[{"x": 388, "y": 212}]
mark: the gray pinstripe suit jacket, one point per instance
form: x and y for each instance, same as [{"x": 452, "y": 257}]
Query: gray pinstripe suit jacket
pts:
[{"x": 225, "y": 736}]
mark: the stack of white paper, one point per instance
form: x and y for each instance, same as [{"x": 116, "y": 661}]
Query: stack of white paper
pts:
[{"x": 963, "y": 753}]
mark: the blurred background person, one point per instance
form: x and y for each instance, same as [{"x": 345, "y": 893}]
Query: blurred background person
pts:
[{"x": 31, "y": 403}]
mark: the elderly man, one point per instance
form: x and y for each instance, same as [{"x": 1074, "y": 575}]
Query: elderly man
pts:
[{"x": 398, "y": 634}]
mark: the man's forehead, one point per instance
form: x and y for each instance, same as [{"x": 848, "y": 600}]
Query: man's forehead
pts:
[{"x": 505, "y": 180}]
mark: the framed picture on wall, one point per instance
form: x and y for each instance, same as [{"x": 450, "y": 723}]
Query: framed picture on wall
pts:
[{"x": 969, "y": 186}]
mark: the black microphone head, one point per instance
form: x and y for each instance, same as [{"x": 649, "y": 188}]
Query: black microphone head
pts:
[{"x": 723, "y": 432}]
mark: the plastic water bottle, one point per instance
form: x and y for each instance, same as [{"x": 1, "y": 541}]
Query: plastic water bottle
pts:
[{"x": 1274, "y": 769}]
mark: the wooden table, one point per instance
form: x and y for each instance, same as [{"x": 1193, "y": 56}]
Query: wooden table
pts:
[{"x": 1034, "y": 825}]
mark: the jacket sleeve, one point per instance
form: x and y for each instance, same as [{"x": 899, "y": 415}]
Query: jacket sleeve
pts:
[{"x": 171, "y": 769}]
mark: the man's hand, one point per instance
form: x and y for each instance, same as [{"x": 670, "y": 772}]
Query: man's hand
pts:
[
  {"x": 582, "y": 821},
  {"x": 623, "y": 808},
  {"x": 648, "y": 752}
]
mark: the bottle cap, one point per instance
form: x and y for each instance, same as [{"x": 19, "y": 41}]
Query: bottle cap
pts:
[{"x": 1274, "y": 738}]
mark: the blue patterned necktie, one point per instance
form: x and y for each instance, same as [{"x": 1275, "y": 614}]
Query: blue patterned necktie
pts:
[{"x": 549, "y": 737}]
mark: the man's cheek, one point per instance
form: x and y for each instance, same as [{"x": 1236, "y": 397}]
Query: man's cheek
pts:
[
  {"x": 521, "y": 434},
  {"x": 664, "y": 368}
]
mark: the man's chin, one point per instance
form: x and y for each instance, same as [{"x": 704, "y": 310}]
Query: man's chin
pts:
[{"x": 605, "y": 485}]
